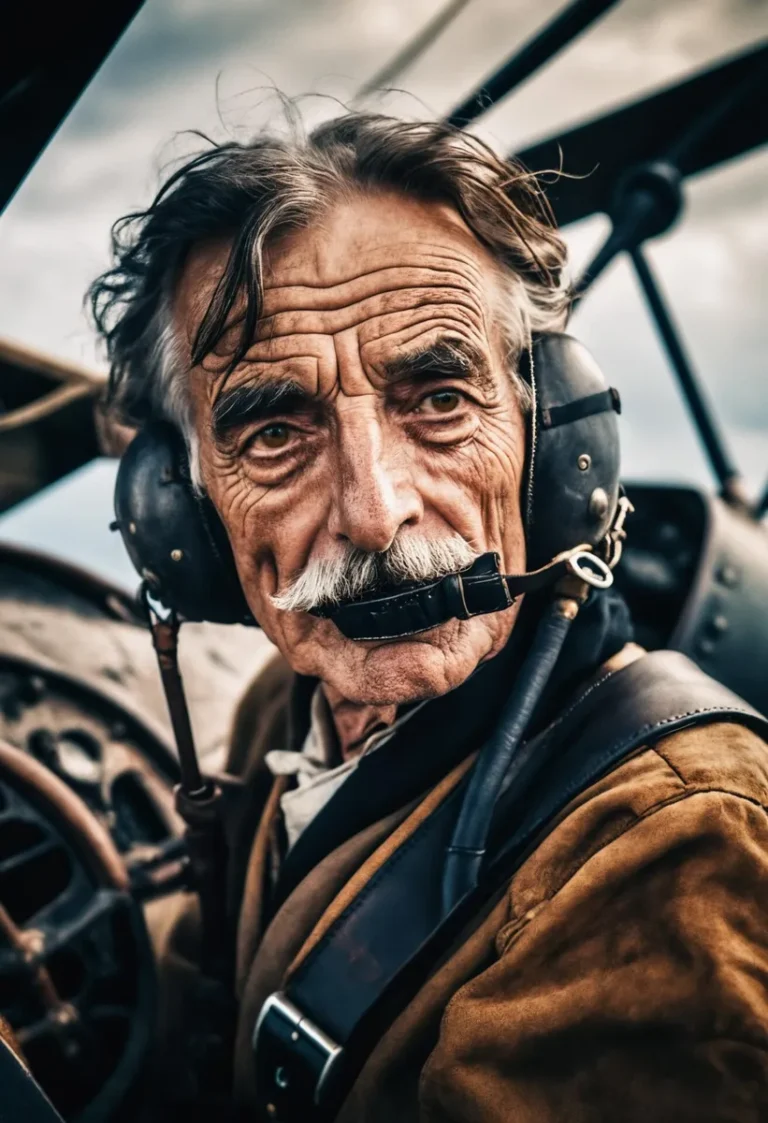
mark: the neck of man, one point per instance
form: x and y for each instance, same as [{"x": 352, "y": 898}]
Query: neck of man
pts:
[{"x": 355, "y": 722}]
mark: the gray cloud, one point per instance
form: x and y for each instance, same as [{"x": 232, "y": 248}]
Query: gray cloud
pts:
[{"x": 208, "y": 64}]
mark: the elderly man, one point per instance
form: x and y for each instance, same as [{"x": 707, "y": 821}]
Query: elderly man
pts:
[{"x": 342, "y": 330}]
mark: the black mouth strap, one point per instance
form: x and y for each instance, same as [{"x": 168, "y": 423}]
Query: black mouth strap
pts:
[{"x": 476, "y": 591}]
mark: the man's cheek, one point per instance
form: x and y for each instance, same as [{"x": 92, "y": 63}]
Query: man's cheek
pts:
[
  {"x": 237, "y": 504},
  {"x": 234, "y": 496},
  {"x": 500, "y": 470},
  {"x": 490, "y": 471},
  {"x": 500, "y": 444}
]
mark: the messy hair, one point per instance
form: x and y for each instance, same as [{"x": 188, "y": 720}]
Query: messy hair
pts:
[{"x": 252, "y": 194}]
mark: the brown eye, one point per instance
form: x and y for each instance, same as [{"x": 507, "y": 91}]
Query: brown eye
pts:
[
  {"x": 274, "y": 436},
  {"x": 444, "y": 401}
]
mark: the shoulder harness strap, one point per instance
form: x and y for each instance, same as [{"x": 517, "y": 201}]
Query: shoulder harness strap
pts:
[{"x": 312, "y": 1039}]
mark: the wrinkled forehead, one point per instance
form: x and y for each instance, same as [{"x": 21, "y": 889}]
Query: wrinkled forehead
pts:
[{"x": 366, "y": 247}]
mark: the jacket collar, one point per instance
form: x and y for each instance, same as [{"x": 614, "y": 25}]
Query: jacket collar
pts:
[{"x": 442, "y": 733}]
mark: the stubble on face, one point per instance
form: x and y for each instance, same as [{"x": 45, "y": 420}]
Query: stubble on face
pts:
[{"x": 329, "y": 433}]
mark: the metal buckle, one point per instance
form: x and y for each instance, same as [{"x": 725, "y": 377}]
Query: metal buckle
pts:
[
  {"x": 590, "y": 569},
  {"x": 294, "y": 1058},
  {"x": 617, "y": 534}
]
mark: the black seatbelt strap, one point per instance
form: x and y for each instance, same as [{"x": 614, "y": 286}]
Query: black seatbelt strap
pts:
[{"x": 311, "y": 1039}]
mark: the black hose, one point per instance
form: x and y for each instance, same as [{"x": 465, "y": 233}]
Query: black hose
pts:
[{"x": 464, "y": 855}]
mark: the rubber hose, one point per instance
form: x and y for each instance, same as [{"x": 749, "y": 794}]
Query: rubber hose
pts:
[{"x": 464, "y": 855}]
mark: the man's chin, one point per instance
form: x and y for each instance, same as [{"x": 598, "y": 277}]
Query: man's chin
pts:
[
  {"x": 408, "y": 669},
  {"x": 391, "y": 672}
]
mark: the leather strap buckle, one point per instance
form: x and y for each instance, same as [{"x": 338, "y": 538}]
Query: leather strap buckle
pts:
[
  {"x": 481, "y": 589},
  {"x": 294, "y": 1061}
]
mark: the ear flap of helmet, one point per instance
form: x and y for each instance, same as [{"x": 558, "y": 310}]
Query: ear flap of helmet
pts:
[
  {"x": 571, "y": 488},
  {"x": 173, "y": 536}
]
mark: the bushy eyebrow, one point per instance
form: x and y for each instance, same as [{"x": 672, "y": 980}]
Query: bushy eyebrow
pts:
[
  {"x": 447, "y": 358},
  {"x": 243, "y": 405}
]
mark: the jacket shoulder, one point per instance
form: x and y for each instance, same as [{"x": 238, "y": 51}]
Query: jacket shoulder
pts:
[
  {"x": 723, "y": 758},
  {"x": 633, "y": 957}
]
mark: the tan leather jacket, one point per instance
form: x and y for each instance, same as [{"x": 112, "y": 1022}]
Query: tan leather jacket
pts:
[{"x": 622, "y": 974}]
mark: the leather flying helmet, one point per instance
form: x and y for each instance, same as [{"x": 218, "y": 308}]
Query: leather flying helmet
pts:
[{"x": 570, "y": 496}]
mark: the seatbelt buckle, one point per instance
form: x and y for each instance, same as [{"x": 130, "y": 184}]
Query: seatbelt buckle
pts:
[{"x": 295, "y": 1061}]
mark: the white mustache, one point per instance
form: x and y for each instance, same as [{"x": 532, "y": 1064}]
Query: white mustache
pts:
[{"x": 353, "y": 572}]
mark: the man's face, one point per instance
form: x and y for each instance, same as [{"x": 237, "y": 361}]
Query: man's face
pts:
[{"x": 354, "y": 419}]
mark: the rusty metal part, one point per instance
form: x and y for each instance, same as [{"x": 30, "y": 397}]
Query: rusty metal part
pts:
[
  {"x": 199, "y": 802},
  {"x": 46, "y": 425},
  {"x": 30, "y": 946},
  {"x": 44, "y": 697},
  {"x": 165, "y": 636},
  {"x": 112, "y": 600},
  {"x": 62, "y": 370},
  {"x": 105, "y": 859},
  {"x": 72, "y": 943},
  {"x": 46, "y": 406},
  {"x": 61, "y": 621}
]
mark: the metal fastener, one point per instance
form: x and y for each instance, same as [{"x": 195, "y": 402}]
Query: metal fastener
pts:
[
  {"x": 33, "y": 942},
  {"x": 728, "y": 575},
  {"x": 32, "y": 689},
  {"x": 64, "y": 1015},
  {"x": 720, "y": 623},
  {"x": 177, "y": 555},
  {"x": 584, "y": 462},
  {"x": 598, "y": 503},
  {"x": 131, "y": 528}
]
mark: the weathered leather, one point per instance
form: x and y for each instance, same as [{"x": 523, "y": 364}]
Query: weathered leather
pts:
[
  {"x": 406, "y": 612},
  {"x": 722, "y": 766}
]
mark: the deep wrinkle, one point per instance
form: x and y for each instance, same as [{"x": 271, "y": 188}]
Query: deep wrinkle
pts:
[{"x": 445, "y": 361}]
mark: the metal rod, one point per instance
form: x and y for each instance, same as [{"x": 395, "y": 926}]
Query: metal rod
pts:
[
  {"x": 548, "y": 42},
  {"x": 165, "y": 641},
  {"x": 745, "y": 94},
  {"x": 630, "y": 221},
  {"x": 713, "y": 441},
  {"x": 611, "y": 248},
  {"x": 199, "y": 802},
  {"x": 412, "y": 50}
]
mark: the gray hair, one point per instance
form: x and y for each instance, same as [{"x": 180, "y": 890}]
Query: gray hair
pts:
[
  {"x": 252, "y": 194},
  {"x": 351, "y": 572}
]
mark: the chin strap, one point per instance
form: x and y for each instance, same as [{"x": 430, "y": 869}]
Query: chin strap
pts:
[{"x": 478, "y": 590}]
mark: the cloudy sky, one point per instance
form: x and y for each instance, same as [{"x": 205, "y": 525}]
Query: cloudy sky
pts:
[{"x": 210, "y": 65}]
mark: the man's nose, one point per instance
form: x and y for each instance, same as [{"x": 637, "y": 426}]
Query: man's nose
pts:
[{"x": 373, "y": 495}]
